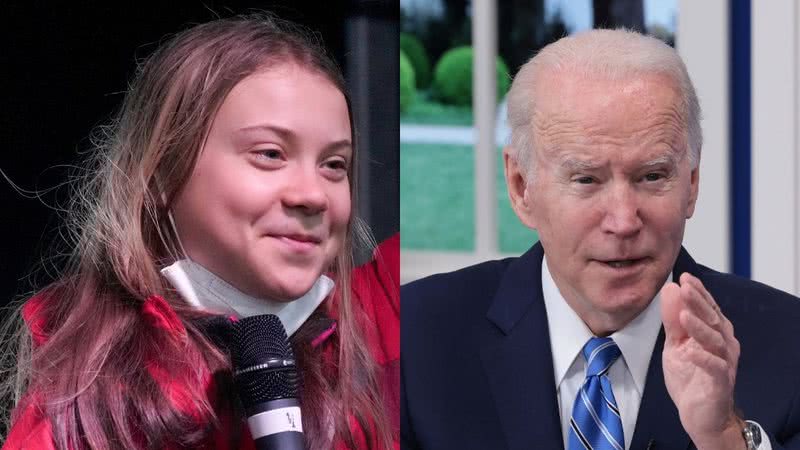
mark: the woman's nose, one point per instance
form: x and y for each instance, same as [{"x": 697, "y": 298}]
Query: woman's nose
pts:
[{"x": 306, "y": 192}]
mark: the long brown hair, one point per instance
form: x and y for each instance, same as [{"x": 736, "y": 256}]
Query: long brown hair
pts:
[{"x": 91, "y": 375}]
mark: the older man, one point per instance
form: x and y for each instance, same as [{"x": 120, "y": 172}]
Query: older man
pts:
[{"x": 606, "y": 334}]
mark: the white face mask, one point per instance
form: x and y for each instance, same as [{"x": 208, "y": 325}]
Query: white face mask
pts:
[{"x": 204, "y": 290}]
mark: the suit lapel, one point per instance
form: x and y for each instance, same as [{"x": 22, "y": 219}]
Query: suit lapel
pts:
[
  {"x": 515, "y": 353},
  {"x": 516, "y": 357},
  {"x": 658, "y": 419}
]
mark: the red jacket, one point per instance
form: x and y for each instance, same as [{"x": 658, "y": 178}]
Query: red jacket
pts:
[{"x": 375, "y": 285}]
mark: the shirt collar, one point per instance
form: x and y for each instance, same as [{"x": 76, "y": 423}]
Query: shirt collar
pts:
[
  {"x": 206, "y": 291},
  {"x": 568, "y": 333}
]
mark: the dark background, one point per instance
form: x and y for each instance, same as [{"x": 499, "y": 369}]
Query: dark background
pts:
[{"x": 64, "y": 67}]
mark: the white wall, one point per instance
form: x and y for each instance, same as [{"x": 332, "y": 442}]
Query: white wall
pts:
[
  {"x": 702, "y": 41},
  {"x": 775, "y": 165}
]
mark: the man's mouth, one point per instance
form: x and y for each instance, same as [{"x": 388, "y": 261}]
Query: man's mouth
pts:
[{"x": 622, "y": 263}]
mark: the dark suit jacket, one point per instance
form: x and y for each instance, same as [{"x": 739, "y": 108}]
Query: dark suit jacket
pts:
[{"x": 477, "y": 371}]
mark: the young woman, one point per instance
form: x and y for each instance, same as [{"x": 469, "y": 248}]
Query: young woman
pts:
[{"x": 223, "y": 187}]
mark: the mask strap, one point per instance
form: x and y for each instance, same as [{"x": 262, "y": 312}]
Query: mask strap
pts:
[
  {"x": 171, "y": 220},
  {"x": 175, "y": 232}
]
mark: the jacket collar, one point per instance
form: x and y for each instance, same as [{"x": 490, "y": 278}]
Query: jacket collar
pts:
[
  {"x": 515, "y": 352},
  {"x": 658, "y": 424}
]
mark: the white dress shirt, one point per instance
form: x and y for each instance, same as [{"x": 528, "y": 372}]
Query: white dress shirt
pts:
[{"x": 628, "y": 374}]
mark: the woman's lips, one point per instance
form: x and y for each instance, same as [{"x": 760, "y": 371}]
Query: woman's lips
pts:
[{"x": 298, "y": 242}]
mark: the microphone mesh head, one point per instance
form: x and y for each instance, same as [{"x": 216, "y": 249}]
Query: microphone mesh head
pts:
[{"x": 256, "y": 340}]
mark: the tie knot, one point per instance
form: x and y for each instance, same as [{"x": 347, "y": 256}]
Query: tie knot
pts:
[{"x": 600, "y": 354}]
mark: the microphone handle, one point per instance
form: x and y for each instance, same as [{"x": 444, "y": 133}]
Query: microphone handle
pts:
[
  {"x": 276, "y": 425},
  {"x": 289, "y": 440}
]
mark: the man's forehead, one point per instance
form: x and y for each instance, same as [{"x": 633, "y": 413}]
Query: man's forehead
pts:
[
  {"x": 585, "y": 154},
  {"x": 581, "y": 111},
  {"x": 562, "y": 88}
]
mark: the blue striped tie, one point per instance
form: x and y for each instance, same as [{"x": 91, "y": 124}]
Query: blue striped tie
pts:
[{"x": 595, "y": 422}]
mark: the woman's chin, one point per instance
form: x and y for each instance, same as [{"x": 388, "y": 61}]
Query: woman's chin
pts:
[{"x": 287, "y": 292}]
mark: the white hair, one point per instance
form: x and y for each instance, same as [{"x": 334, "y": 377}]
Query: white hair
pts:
[{"x": 609, "y": 54}]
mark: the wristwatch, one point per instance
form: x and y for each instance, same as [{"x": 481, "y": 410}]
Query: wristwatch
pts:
[{"x": 752, "y": 435}]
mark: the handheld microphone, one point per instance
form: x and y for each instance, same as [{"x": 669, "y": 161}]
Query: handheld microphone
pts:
[{"x": 267, "y": 382}]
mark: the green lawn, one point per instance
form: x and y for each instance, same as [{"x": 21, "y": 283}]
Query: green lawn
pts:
[
  {"x": 436, "y": 201},
  {"x": 425, "y": 111}
]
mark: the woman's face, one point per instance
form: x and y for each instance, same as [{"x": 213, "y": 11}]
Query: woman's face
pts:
[{"x": 268, "y": 203}]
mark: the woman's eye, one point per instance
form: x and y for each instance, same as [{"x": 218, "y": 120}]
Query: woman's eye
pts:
[
  {"x": 336, "y": 169},
  {"x": 336, "y": 164},
  {"x": 270, "y": 153}
]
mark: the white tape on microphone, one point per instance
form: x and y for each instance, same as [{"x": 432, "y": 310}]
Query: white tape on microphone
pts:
[{"x": 275, "y": 421}]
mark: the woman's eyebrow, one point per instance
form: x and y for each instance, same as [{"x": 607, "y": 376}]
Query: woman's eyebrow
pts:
[
  {"x": 288, "y": 134},
  {"x": 279, "y": 130},
  {"x": 343, "y": 144}
]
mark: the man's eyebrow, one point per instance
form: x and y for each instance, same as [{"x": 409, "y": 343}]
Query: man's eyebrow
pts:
[
  {"x": 570, "y": 163},
  {"x": 670, "y": 159}
]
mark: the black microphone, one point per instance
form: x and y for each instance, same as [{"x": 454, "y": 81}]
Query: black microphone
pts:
[{"x": 267, "y": 382}]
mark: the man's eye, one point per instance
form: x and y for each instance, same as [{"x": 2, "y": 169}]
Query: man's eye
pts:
[
  {"x": 584, "y": 180},
  {"x": 653, "y": 176}
]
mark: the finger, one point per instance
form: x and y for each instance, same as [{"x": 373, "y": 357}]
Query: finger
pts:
[
  {"x": 710, "y": 363},
  {"x": 718, "y": 322},
  {"x": 699, "y": 305},
  {"x": 732, "y": 343},
  {"x": 707, "y": 337},
  {"x": 695, "y": 282},
  {"x": 725, "y": 326},
  {"x": 671, "y": 306}
]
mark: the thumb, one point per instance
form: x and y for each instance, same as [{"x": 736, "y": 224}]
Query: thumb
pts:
[{"x": 671, "y": 306}]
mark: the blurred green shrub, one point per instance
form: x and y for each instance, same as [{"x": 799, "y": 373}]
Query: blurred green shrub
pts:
[
  {"x": 418, "y": 57},
  {"x": 452, "y": 77},
  {"x": 407, "y": 89}
]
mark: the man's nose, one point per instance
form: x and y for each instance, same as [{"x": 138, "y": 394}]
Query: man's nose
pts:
[
  {"x": 622, "y": 215},
  {"x": 306, "y": 192}
]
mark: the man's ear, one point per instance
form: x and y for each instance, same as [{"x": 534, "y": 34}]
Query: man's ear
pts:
[
  {"x": 694, "y": 191},
  {"x": 517, "y": 185}
]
